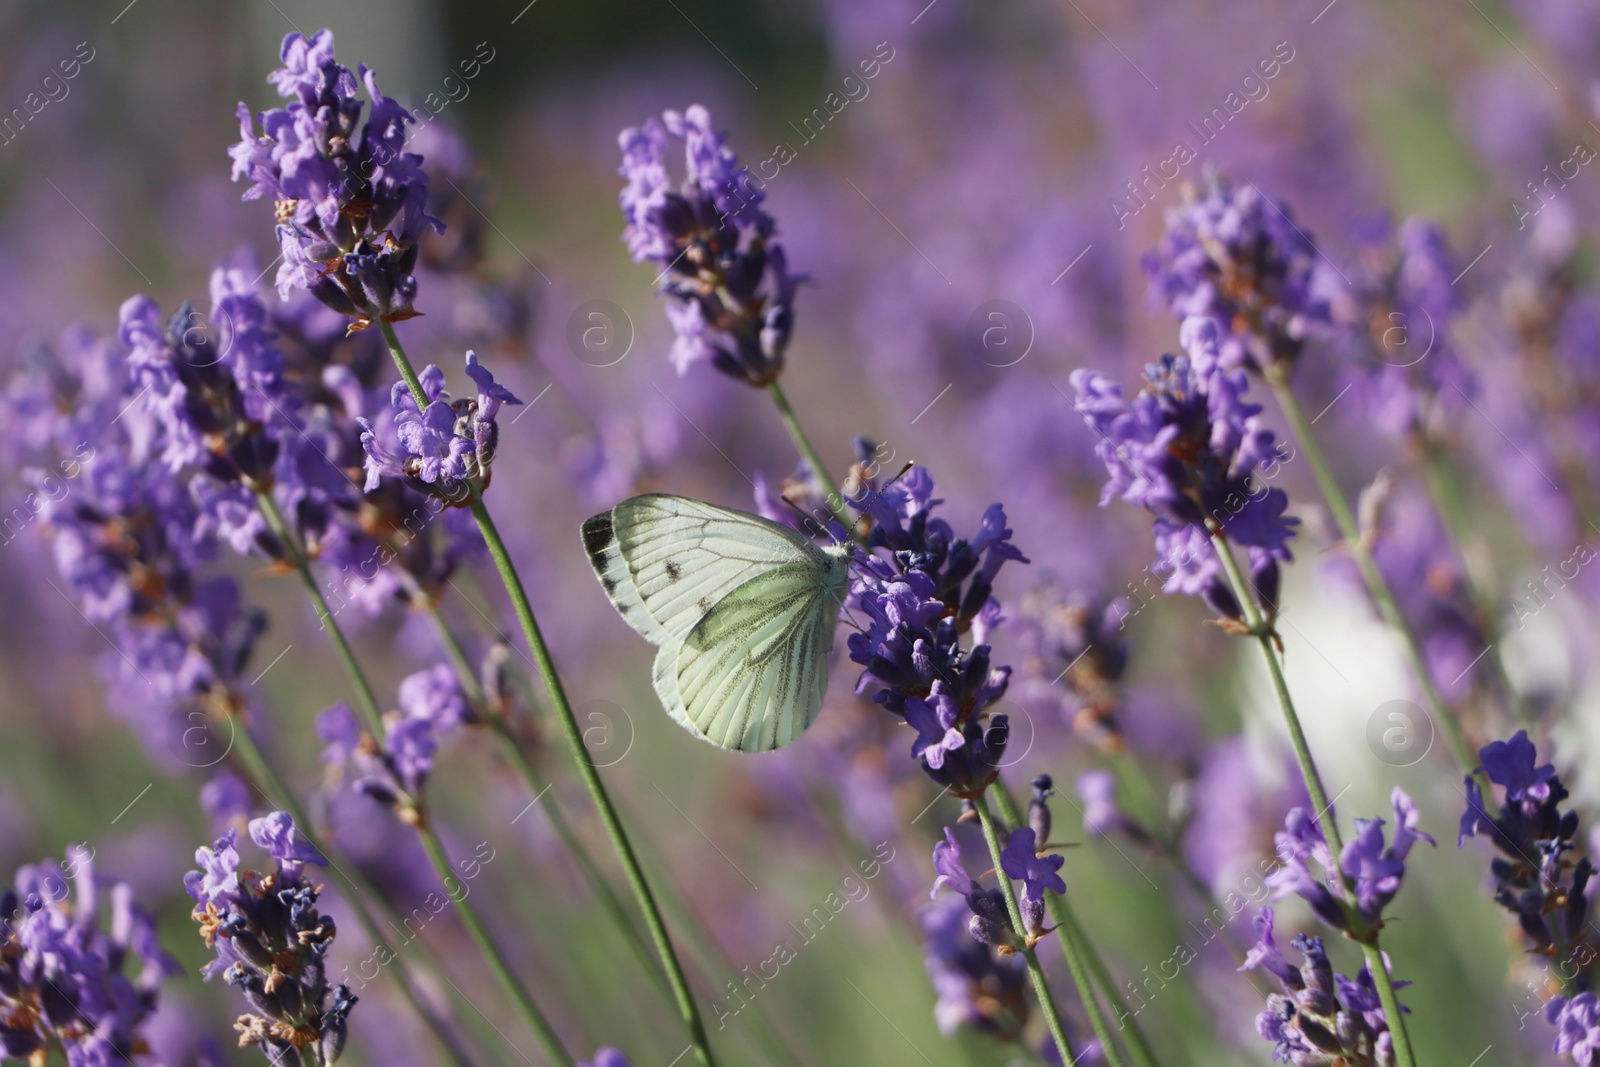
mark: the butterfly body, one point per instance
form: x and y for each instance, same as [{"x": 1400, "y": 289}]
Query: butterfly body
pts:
[{"x": 743, "y": 610}]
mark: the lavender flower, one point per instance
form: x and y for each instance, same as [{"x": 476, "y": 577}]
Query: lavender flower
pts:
[
  {"x": 131, "y": 538},
  {"x": 225, "y": 798},
  {"x": 1368, "y": 873},
  {"x": 1076, "y": 658},
  {"x": 975, "y": 985},
  {"x": 394, "y": 769},
  {"x": 1320, "y": 1017},
  {"x": 1192, "y": 451},
  {"x": 271, "y": 942},
  {"x": 1577, "y": 1023},
  {"x": 729, "y": 292},
  {"x": 62, "y": 980},
  {"x": 606, "y": 1057},
  {"x": 350, "y": 209},
  {"x": 215, "y": 402},
  {"x": 921, "y": 588},
  {"x": 1232, "y": 258},
  {"x": 445, "y": 450},
  {"x": 990, "y": 922},
  {"x": 1395, "y": 319},
  {"x": 1102, "y": 815},
  {"x": 1036, "y": 872},
  {"x": 1536, "y": 879}
]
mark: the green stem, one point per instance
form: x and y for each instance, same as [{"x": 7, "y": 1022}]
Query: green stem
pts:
[
  {"x": 511, "y": 749},
  {"x": 365, "y": 699},
  {"x": 546, "y": 667},
  {"x": 1391, "y": 1003},
  {"x": 491, "y": 952},
  {"x": 369, "y": 703},
  {"x": 1377, "y": 585},
  {"x": 1297, "y": 737},
  {"x": 271, "y": 786},
  {"x": 1041, "y": 987},
  {"x": 797, "y": 433},
  {"x": 1308, "y": 771},
  {"x": 1087, "y": 968}
]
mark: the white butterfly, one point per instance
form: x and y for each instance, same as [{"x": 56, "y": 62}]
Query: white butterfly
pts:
[{"x": 743, "y": 609}]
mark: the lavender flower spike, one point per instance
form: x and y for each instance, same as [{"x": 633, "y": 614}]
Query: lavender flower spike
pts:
[
  {"x": 1320, "y": 1018},
  {"x": 447, "y": 449},
  {"x": 729, "y": 292},
  {"x": 1191, "y": 450},
  {"x": 271, "y": 943},
  {"x": 62, "y": 980},
  {"x": 351, "y": 209}
]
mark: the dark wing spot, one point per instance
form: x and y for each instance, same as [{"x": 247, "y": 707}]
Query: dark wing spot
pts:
[
  {"x": 704, "y": 604},
  {"x": 598, "y": 535},
  {"x": 674, "y": 572}
]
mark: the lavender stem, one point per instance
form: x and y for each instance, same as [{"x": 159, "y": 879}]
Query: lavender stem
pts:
[
  {"x": 1087, "y": 968},
  {"x": 366, "y": 698},
  {"x": 797, "y": 433},
  {"x": 545, "y": 664},
  {"x": 1377, "y": 585},
  {"x": 1041, "y": 987},
  {"x": 512, "y": 749},
  {"x": 1313, "y": 780}
]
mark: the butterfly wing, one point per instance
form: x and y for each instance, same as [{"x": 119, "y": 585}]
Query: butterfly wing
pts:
[
  {"x": 743, "y": 609},
  {"x": 683, "y": 556},
  {"x": 751, "y": 675}
]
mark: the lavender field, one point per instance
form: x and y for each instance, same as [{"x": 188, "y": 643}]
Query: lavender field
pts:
[{"x": 862, "y": 532}]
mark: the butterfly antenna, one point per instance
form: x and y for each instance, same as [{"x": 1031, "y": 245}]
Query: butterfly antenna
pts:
[
  {"x": 909, "y": 464},
  {"x": 879, "y": 489}
]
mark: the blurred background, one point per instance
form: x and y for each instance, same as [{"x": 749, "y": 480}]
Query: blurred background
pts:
[{"x": 1008, "y": 159}]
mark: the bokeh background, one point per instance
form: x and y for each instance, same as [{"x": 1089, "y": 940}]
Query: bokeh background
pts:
[{"x": 995, "y": 165}]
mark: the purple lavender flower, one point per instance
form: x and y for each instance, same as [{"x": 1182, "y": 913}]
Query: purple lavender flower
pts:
[
  {"x": 1536, "y": 877},
  {"x": 1076, "y": 658},
  {"x": 62, "y": 980},
  {"x": 921, "y": 588},
  {"x": 270, "y": 942},
  {"x": 130, "y": 536},
  {"x": 1036, "y": 872},
  {"x": 729, "y": 292},
  {"x": 446, "y": 450},
  {"x": 1373, "y": 869},
  {"x": 1101, "y": 814},
  {"x": 276, "y": 833},
  {"x": 975, "y": 985},
  {"x": 395, "y": 769},
  {"x": 1233, "y": 258},
  {"x": 990, "y": 922},
  {"x": 950, "y": 871},
  {"x": 225, "y": 798},
  {"x": 1513, "y": 765},
  {"x": 351, "y": 209},
  {"x": 1320, "y": 1017},
  {"x": 606, "y": 1057},
  {"x": 1395, "y": 319},
  {"x": 1577, "y": 1023},
  {"x": 1368, "y": 874},
  {"x": 1192, "y": 451}
]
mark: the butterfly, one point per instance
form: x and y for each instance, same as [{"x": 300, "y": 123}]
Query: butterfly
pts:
[{"x": 743, "y": 609}]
